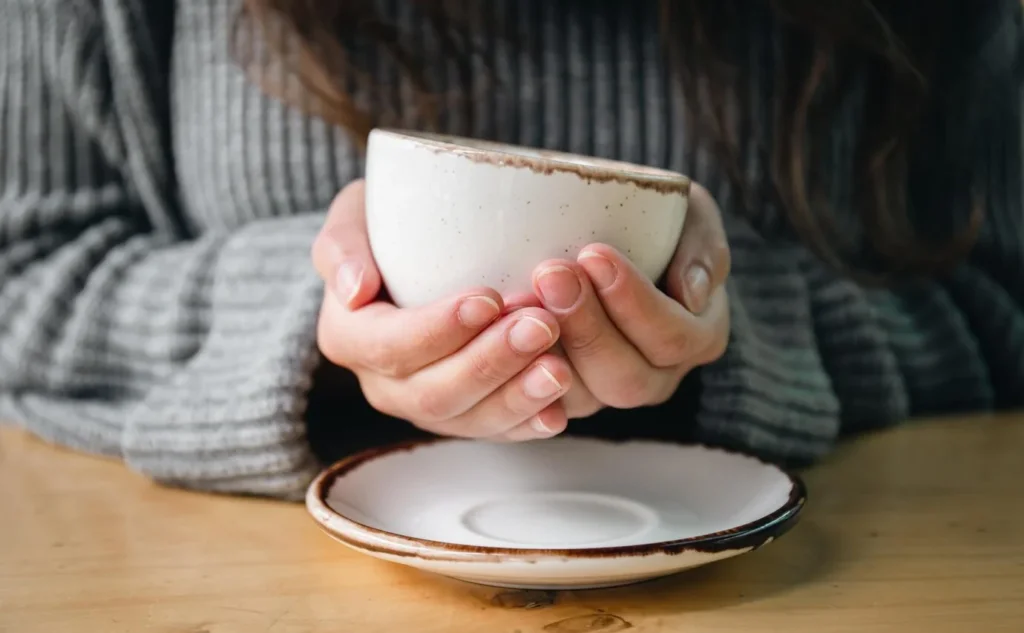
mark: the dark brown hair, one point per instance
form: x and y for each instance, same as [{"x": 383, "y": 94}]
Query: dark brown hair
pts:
[{"x": 917, "y": 209}]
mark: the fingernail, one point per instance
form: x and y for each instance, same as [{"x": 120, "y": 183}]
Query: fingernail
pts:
[
  {"x": 530, "y": 335},
  {"x": 698, "y": 286},
  {"x": 601, "y": 269},
  {"x": 475, "y": 312},
  {"x": 559, "y": 287},
  {"x": 538, "y": 426},
  {"x": 349, "y": 279},
  {"x": 541, "y": 384}
]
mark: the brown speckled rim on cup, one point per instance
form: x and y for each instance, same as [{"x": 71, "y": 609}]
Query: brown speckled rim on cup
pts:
[
  {"x": 373, "y": 540},
  {"x": 589, "y": 168}
]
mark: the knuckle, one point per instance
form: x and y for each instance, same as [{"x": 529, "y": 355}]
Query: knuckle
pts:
[
  {"x": 327, "y": 345},
  {"x": 718, "y": 343},
  {"x": 674, "y": 348},
  {"x": 356, "y": 187},
  {"x": 584, "y": 341},
  {"x": 430, "y": 406},
  {"x": 721, "y": 257},
  {"x": 485, "y": 370},
  {"x": 344, "y": 225},
  {"x": 474, "y": 427},
  {"x": 658, "y": 399},
  {"x": 635, "y": 388},
  {"x": 518, "y": 405},
  {"x": 580, "y": 404},
  {"x": 382, "y": 358},
  {"x": 662, "y": 395},
  {"x": 349, "y": 194},
  {"x": 378, "y": 399},
  {"x": 435, "y": 336},
  {"x": 321, "y": 253},
  {"x": 327, "y": 340},
  {"x": 331, "y": 352},
  {"x": 715, "y": 350}
]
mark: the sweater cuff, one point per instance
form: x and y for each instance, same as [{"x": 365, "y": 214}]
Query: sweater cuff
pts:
[{"x": 230, "y": 419}]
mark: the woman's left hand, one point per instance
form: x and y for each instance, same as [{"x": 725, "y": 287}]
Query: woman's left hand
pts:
[{"x": 629, "y": 343}]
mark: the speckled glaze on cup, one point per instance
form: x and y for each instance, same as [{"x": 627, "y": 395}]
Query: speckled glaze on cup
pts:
[{"x": 445, "y": 214}]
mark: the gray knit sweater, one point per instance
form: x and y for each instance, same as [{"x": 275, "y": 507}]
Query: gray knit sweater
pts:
[{"x": 157, "y": 301}]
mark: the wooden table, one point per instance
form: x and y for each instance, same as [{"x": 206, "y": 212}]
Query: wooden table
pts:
[{"x": 914, "y": 530}]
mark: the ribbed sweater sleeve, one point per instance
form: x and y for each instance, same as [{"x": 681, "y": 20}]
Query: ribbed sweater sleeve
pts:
[
  {"x": 119, "y": 333},
  {"x": 814, "y": 356}
]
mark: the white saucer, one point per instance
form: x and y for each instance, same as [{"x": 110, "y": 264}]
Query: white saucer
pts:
[{"x": 564, "y": 513}]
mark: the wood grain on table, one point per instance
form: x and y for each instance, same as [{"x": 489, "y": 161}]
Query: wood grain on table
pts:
[{"x": 916, "y": 529}]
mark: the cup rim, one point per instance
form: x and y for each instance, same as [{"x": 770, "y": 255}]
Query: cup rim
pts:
[{"x": 544, "y": 161}]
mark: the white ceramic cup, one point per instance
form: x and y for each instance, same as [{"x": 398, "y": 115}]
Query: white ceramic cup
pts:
[{"x": 447, "y": 214}]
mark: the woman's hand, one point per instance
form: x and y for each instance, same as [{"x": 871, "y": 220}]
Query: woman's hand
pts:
[
  {"x": 460, "y": 366},
  {"x": 630, "y": 344}
]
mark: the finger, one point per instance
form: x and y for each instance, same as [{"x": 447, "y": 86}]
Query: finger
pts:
[
  {"x": 453, "y": 385},
  {"x": 702, "y": 261},
  {"x": 578, "y": 402},
  {"x": 717, "y": 316},
  {"x": 548, "y": 423},
  {"x": 399, "y": 342},
  {"x": 517, "y": 402},
  {"x": 611, "y": 368},
  {"x": 341, "y": 251},
  {"x": 664, "y": 331},
  {"x": 520, "y": 300}
]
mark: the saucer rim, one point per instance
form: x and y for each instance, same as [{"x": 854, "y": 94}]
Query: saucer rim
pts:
[{"x": 748, "y": 536}]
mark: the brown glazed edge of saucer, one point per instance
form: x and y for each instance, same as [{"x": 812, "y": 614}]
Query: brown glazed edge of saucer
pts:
[{"x": 750, "y": 535}]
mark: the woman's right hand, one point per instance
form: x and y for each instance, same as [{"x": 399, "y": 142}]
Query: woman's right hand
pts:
[{"x": 461, "y": 366}]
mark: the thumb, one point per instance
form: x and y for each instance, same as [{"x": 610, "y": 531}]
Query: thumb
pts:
[
  {"x": 341, "y": 252},
  {"x": 702, "y": 260}
]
